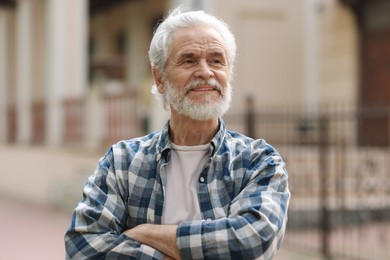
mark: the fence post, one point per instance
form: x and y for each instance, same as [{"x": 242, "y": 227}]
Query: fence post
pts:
[
  {"x": 388, "y": 125},
  {"x": 324, "y": 176}
]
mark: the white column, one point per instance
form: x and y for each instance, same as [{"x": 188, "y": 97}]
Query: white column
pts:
[
  {"x": 78, "y": 26},
  {"x": 79, "y": 66},
  {"x": 24, "y": 40},
  {"x": 56, "y": 67},
  {"x": 66, "y": 63},
  {"x": 311, "y": 55},
  {"x": 3, "y": 77}
]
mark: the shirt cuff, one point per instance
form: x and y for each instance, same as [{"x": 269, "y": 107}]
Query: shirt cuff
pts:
[{"x": 189, "y": 239}]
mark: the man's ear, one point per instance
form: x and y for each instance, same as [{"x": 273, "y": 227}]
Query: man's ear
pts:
[{"x": 158, "y": 79}]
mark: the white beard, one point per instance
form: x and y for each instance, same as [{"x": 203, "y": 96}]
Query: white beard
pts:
[{"x": 208, "y": 108}]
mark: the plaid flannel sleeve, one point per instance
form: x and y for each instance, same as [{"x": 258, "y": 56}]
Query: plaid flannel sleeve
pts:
[
  {"x": 255, "y": 226},
  {"x": 97, "y": 221}
]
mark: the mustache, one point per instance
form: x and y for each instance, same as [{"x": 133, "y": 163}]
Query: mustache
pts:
[{"x": 200, "y": 82}]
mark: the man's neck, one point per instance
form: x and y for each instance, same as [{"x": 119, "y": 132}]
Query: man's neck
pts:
[{"x": 186, "y": 131}]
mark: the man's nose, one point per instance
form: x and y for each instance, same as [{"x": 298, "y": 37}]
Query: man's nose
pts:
[{"x": 203, "y": 70}]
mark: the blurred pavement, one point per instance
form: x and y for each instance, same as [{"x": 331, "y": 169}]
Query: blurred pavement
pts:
[{"x": 31, "y": 231}]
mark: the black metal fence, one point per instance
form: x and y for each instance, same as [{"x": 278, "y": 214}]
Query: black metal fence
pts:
[{"x": 339, "y": 179}]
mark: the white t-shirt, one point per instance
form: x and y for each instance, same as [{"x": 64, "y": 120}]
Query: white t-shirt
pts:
[{"x": 181, "y": 201}]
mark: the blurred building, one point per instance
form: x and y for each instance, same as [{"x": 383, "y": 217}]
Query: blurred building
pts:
[
  {"x": 76, "y": 71},
  {"x": 75, "y": 78}
]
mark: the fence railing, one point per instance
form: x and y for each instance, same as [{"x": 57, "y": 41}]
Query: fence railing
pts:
[
  {"x": 340, "y": 185},
  {"x": 38, "y": 121},
  {"x": 74, "y": 120},
  {"x": 122, "y": 119},
  {"x": 108, "y": 118},
  {"x": 11, "y": 123}
]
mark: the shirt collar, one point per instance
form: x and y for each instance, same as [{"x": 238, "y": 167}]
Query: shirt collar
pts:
[
  {"x": 164, "y": 144},
  {"x": 218, "y": 138}
]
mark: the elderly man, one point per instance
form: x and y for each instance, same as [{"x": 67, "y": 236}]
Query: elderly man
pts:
[{"x": 193, "y": 190}]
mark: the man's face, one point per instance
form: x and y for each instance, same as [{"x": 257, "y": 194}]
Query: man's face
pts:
[{"x": 196, "y": 80}]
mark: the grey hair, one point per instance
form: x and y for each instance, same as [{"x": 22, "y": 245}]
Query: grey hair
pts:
[{"x": 176, "y": 20}]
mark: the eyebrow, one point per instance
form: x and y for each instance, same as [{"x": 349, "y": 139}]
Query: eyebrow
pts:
[
  {"x": 218, "y": 54},
  {"x": 185, "y": 55}
]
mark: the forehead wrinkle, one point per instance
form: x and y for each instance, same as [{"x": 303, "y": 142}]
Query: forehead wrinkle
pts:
[
  {"x": 194, "y": 43},
  {"x": 195, "y": 52}
]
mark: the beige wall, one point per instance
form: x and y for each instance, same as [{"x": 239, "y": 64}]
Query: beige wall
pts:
[
  {"x": 339, "y": 55},
  {"x": 273, "y": 47},
  {"x": 270, "y": 54}
]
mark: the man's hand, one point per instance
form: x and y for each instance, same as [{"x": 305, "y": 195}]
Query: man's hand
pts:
[{"x": 160, "y": 237}]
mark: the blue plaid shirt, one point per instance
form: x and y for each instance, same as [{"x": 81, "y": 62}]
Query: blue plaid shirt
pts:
[{"x": 243, "y": 196}]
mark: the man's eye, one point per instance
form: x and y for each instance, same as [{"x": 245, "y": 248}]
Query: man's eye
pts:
[
  {"x": 188, "y": 61},
  {"x": 216, "y": 61}
]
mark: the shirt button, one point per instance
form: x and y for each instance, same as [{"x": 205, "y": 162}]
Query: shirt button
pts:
[{"x": 201, "y": 179}]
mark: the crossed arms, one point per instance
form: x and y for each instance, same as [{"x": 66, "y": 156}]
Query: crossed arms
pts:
[{"x": 250, "y": 226}]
